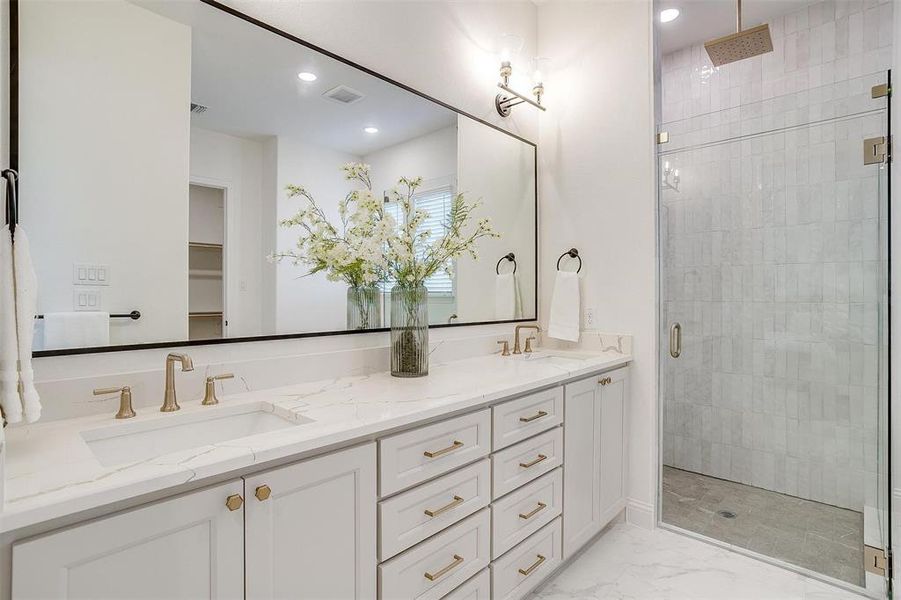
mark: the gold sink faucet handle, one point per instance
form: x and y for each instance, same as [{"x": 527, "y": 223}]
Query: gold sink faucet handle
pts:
[
  {"x": 528, "y": 348},
  {"x": 505, "y": 350},
  {"x": 125, "y": 409},
  {"x": 209, "y": 394}
]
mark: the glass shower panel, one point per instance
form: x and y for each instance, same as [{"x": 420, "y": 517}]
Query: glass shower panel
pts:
[{"x": 772, "y": 264}]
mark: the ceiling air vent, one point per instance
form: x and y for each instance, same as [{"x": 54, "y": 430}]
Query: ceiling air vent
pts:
[
  {"x": 198, "y": 108},
  {"x": 343, "y": 94}
]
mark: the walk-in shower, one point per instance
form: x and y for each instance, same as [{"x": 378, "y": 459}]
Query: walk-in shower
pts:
[{"x": 773, "y": 214}]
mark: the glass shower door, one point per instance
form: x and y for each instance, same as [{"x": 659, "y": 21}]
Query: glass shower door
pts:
[{"x": 773, "y": 294}]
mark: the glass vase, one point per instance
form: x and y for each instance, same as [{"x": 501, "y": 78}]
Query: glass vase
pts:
[
  {"x": 364, "y": 307},
  {"x": 409, "y": 331}
]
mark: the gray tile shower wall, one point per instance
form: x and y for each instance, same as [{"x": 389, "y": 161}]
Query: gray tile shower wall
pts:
[{"x": 771, "y": 257}]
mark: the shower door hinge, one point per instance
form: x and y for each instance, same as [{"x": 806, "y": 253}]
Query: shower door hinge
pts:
[
  {"x": 663, "y": 137},
  {"x": 876, "y": 562},
  {"x": 876, "y": 150},
  {"x": 880, "y": 91}
]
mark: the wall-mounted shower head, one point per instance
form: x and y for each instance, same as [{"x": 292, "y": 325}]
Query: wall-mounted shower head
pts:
[{"x": 739, "y": 45}]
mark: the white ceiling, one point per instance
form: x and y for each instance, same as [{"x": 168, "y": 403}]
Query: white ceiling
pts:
[
  {"x": 248, "y": 78},
  {"x": 702, "y": 20}
]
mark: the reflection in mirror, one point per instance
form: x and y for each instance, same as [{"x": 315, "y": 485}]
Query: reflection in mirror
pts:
[{"x": 157, "y": 141}]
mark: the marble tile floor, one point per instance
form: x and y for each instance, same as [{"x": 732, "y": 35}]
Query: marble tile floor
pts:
[
  {"x": 816, "y": 536},
  {"x": 628, "y": 562}
]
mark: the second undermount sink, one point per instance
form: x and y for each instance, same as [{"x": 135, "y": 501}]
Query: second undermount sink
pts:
[{"x": 142, "y": 440}]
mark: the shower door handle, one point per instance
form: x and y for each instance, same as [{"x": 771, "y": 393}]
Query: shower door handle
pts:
[{"x": 675, "y": 340}]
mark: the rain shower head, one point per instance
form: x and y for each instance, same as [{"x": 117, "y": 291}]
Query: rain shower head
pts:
[{"x": 740, "y": 45}]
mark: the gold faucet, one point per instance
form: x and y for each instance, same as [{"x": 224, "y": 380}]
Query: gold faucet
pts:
[
  {"x": 125, "y": 409},
  {"x": 169, "y": 402},
  {"x": 516, "y": 346},
  {"x": 209, "y": 395}
]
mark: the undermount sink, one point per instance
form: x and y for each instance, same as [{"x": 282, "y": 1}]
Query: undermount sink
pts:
[
  {"x": 553, "y": 357},
  {"x": 164, "y": 434}
]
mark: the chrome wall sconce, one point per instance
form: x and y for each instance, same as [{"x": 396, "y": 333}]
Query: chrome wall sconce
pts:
[
  {"x": 671, "y": 177},
  {"x": 505, "y": 101}
]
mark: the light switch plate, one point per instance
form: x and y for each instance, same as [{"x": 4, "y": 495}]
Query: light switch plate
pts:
[
  {"x": 84, "y": 299},
  {"x": 90, "y": 274}
]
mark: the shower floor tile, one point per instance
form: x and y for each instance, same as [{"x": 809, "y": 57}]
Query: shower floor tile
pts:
[{"x": 816, "y": 536}]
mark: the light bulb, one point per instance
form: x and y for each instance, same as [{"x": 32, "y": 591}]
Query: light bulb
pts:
[{"x": 306, "y": 76}]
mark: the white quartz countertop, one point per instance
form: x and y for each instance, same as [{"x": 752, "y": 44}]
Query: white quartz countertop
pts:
[{"x": 51, "y": 472}]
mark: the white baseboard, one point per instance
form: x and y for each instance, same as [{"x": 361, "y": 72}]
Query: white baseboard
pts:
[{"x": 640, "y": 513}]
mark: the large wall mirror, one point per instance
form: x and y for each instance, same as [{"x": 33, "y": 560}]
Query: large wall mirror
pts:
[{"x": 156, "y": 141}]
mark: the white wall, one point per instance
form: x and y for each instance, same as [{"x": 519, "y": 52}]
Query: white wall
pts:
[
  {"x": 597, "y": 192},
  {"x": 498, "y": 171},
  {"x": 430, "y": 156},
  {"x": 88, "y": 210},
  {"x": 308, "y": 302},
  {"x": 237, "y": 164}
]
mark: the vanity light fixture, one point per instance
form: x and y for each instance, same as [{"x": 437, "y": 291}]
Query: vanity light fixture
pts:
[
  {"x": 510, "y": 46},
  {"x": 671, "y": 177},
  {"x": 371, "y": 129},
  {"x": 669, "y": 14},
  {"x": 306, "y": 76}
]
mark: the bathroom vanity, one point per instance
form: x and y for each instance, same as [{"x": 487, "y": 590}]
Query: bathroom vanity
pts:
[{"x": 476, "y": 482}]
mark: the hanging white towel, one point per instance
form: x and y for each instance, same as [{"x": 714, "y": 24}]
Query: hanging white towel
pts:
[
  {"x": 76, "y": 329},
  {"x": 26, "y": 309},
  {"x": 506, "y": 297},
  {"x": 9, "y": 351},
  {"x": 565, "y": 307}
]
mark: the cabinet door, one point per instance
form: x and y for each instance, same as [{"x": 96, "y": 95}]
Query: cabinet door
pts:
[
  {"x": 314, "y": 534},
  {"x": 191, "y": 546},
  {"x": 581, "y": 463},
  {"x": 614, "y": 391}
]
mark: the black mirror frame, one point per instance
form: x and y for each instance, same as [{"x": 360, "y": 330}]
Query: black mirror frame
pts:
[{"x": 13, "y": 159}]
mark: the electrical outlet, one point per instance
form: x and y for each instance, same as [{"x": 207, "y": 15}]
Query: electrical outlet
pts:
[{"x": 589, "y": 318}]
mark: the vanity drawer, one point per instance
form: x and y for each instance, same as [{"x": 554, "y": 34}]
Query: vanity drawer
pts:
[
  {"x": 412, "y": 457},
  {"x": 523, "y": 512},
  {"x": 405, "y": 519},
  {"x": 519, "y": 464},
  {"x": 517, "y": 573},
  {"x": 477, "y": 588},
  {"x": 437, "y": 566},
  {"x": 524, "y": 417}
]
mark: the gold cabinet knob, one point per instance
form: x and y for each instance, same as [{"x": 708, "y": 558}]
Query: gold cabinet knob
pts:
[
  {"x": 263, "y": 492},
  {"x": 234, "y": 502},
  {"x": 605, "y": 380}
]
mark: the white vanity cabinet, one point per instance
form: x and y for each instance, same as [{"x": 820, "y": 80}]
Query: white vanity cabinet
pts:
[
  {"x": 311, "y": 528},
  {"x": 189, "y": 547},
  {"x": 306, "y": 530},
  {"x": 595, "y": 459}
]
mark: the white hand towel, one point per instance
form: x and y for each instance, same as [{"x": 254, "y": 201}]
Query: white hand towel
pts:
[
  {"x": 565, "y": 307},
  {"x": 76, "y": 329},
  {"x": 505, "y": 296},
  {"x": 26, "y": 309},
  {"x": 9, "y": 351}
]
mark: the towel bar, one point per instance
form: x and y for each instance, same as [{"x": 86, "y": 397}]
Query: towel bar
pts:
[{"x": 133, "y": 315}]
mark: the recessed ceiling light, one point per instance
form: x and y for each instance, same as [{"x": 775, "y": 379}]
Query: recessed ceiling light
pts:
[
  {"x": 306, "y": 76},
  {"x": 371, "y": 129},
  {"x": 668, "y": 14}
]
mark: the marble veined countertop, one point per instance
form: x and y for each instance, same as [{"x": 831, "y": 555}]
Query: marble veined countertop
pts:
[{"x": 51, "y": 472}]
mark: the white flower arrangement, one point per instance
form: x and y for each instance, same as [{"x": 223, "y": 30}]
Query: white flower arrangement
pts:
[{"x": 369, "y": 245}]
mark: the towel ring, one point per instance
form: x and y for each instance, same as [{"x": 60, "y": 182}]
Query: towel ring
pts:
[
  {"x": 511, "y": 257},
  {"x": 572, "y": 253}
]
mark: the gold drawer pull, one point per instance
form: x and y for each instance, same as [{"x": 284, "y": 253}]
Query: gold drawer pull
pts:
[
  {"x": 455, "y": 446},
  {"x": 605, "y": 380},
  {"x": 537, "y": 415},
  {"x": 433, "y": 576},
  {"x": 534, "y": 566},
  {"x": 540, "y": 458},
  {"x": 455, "y": 502},
  {"x": 533, "y": 512}
]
